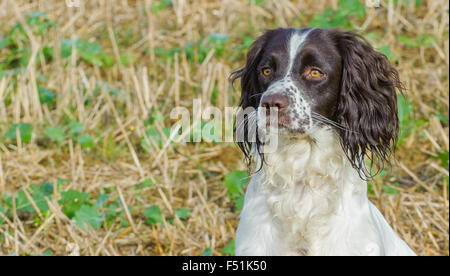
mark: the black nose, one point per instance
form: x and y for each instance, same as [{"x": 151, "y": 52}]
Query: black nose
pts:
[{"x": 278, "y": 100}]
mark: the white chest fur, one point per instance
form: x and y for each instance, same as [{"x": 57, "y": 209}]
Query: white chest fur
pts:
[{"x": 308, "y": 200}]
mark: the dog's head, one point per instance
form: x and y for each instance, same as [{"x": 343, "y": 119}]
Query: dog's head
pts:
[{"x": 324, "y": 78}]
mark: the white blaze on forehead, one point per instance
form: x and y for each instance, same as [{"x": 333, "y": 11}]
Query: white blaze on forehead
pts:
[
  {"x": 295, "y": 42},
  {"x": 299, "y": 108}
]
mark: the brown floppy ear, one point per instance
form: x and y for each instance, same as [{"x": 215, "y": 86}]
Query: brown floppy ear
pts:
[
  {"x": 367, "y": 106},
  {"x": 248, "y": 73},
  {"x": 250, "y": 96}
]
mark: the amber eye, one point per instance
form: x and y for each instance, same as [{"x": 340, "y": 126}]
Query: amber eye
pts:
[
  {"x": 267, "y": 71},
  {"x": 314, "y": 73}
]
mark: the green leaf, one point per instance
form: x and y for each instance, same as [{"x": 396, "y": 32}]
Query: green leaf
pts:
[
  {"x": 47, "y": 253},
  {"x": 101, "y": 199},
  {"x": 4, "y": 42},
  {"x": 112, "y": 213},
  {"x": 60, "y": 182},
  {"x": 66, "y": 47},
  {"x": 370, "y": 189},
  {"x": 426, "y": 40},
  {"x": 46, "y": 188},
  {"x": 218, "y": 40},
  {"x": 124, "y": 222},
  {"x": 93, "y": 59},
  {"x": 127, "y": 60},
  {"x": 404, "y": 117},
  {"x": 75, "y": 127},
  {"x": 235, "y": 181},
  {"x": 3, "y": 211},
  {"x": 239, "y": 202},
  {"x": 46, "y": 96},
  {"x": 256, "y": 2},
  {"x": 386, "y": 50},
  {"x": 107, "y": 60},
  {"x": 55, "y": 133},
  {"x": 113, "y": 209},
  {"x": 35, "y": 15},
  {"x": 350, "y": 7},
  {"x": 214, "y": 94},
  {"x": 210, "y": 131},
  {"x": 91, "y": 52},
  {"x": 145, "y": 184},
  {"x": 153, "y": 215},
  {"x": 88, "y": 48},
  {"x": 39, "y": 200},
  {"x": 72, "y": 201},
  {"x": 442, "y": 118},
  {"x": 183, "y": 213},
  {"x": 22, "y": 203},
  {"x": 330, "y": 19},
  {"x": 88, "y": 216},
  {"x": 86, "y": 141},
  {"x": 390, "y": 190},
  {"x": 372, "y": 36},
  {"x": 207, "y": 252},
  {"x": 155, "y": 138},
  {"x": 25, "y": 131},
  {"x": 160, "y": 5},
  {"x": 407, "y": 41},
  {"x": 166, "y": 53},
  {"x": 48, "y": 54},
  {"x": 443, "y": 157},
  {"x": 228, "y": 250},
  {"x": 40, "y": 21},
  {"x": 404, "y": 108}
]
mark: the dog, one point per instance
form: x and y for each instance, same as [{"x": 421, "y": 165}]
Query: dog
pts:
[{"x": 336, "y": 104}]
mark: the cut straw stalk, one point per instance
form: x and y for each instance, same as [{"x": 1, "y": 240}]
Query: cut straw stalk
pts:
[{"x": 157, "y": 83}]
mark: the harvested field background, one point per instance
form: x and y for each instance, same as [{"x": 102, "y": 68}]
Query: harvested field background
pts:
[{"x": 85, "y": 98}]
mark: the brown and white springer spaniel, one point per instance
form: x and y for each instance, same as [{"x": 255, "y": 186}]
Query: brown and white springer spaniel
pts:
[{"x": 336, "y": 105}]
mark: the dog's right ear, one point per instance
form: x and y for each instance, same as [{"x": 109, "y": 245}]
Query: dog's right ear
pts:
[
  {"x": 248, "y": 74},
  {"x": 249, "y": 97},
  {"x": 249, "y": 86}
]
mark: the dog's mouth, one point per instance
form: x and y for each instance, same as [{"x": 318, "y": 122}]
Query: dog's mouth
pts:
[{"x": 282, "y": 125}]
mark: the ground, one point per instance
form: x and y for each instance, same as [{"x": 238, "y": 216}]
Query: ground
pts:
[{"x": 85, "y": 97}]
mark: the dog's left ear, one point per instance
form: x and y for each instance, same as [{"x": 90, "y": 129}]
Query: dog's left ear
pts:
[{"x": 367, "y": 106}]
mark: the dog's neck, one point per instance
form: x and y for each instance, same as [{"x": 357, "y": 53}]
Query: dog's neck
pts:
[
  {"x": 313, "y": 156},
  {"x": 308, "y": 181}
]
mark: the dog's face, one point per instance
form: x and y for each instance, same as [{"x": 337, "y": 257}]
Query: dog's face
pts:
[
  {"x": 299, "y": 74},
  {"x": 324, "y": 78}
]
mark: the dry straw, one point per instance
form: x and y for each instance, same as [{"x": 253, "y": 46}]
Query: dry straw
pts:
[{"x": 192, "y": 175}]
